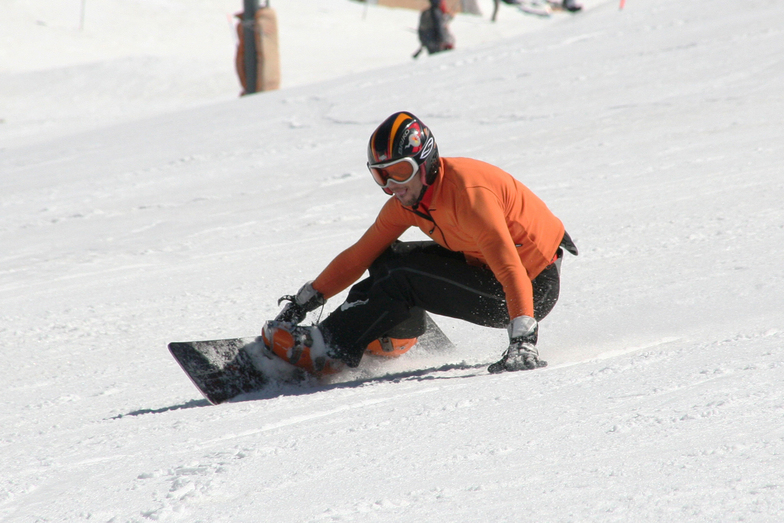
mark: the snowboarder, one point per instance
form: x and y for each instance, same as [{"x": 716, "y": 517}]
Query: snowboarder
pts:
[{"x": 493, "y": 259}]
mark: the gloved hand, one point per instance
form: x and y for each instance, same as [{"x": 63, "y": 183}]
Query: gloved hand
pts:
[
  {"x": 306, "y": 300},
  {"x": 521, "y": 353}
]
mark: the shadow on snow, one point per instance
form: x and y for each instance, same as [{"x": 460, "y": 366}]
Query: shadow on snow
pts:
[{"x": 312, "y": 385}]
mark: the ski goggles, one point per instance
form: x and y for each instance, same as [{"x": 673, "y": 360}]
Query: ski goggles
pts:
[{"x": 397, "y": 171}]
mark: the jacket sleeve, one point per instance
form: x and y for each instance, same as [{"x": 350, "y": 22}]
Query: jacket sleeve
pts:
[
  {"x": 350, "y": 265},
  {"x": 483, "y": 218}
]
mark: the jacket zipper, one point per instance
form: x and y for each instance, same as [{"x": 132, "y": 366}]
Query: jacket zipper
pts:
[{"x": 427, "y": 216}]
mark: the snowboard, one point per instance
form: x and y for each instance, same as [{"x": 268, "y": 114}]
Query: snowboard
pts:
[
  {"x": 543, "y": 8},
  {"x": 558, "y": 5},
  {"x": 535, "y": 7},
  {"x": 224, "y": 369}
]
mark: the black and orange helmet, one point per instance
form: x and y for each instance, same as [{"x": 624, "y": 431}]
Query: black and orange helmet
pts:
[{"x": 403, "y": 135}]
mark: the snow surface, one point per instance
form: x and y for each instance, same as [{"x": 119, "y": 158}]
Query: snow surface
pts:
[{"x": 143, "y": 202}]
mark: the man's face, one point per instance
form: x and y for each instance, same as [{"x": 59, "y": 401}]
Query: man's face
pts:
[{"x": 408, "y": 193}]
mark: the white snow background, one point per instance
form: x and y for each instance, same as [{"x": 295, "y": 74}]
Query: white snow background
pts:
[{"x": 143, "y": 203}]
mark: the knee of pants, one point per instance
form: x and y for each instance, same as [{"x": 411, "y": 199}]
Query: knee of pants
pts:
[
  {"x": 381, "y": 264},
  {"x": 399, "y": 251}
]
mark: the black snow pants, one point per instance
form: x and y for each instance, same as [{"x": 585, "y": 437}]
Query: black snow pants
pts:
[{"x": 410, "y": 278}]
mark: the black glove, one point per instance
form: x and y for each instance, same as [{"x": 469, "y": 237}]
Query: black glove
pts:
[
  {"x": 521, "y": 353},
  {"x": 306, "y": 300}
]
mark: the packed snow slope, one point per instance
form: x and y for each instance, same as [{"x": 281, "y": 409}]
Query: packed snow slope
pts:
[
  {"x": 71, "y": 65},
  {"x": 653, "y": 132}
]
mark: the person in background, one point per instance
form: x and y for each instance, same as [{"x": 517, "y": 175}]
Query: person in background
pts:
[{"x": 434, "y": 34}]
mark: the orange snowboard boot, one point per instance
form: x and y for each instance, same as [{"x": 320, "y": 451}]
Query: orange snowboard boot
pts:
[
  {"x": 390, "y": 347},
  {"x": 303, "y": 347}
]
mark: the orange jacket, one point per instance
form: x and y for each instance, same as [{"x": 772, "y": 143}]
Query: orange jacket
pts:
[{"x": 477, "y": 209}]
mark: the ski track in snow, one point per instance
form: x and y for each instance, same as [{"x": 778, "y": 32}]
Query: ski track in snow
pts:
[{"x": 653, "y": 132}]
